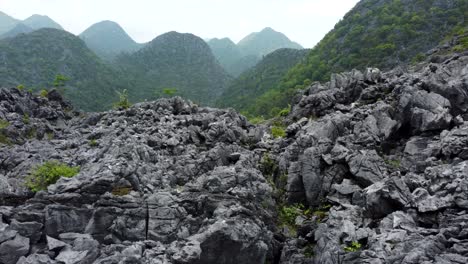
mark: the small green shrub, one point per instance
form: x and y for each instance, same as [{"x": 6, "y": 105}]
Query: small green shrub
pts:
[
  {"x": 26, "y": 119},
  {"x": 4, "y": 124},
  {"x": 123, "y": 100},
  {"x": 50, "y": 135},
  {"x": 20, "y": 87},
  {"x": 60, "y": 81},
  {"x": 93, "y": 143},
  {"x": 40, "y": 177},
  {"x": 121, "y": 191},
  {"x": 3, "y": 137},
  {"x": 43, "y": 93},
  {"x": 393, "y": 163},
  {"x": 355, "y": 246},
  {"x": 288, "y": 214},
  {"x": 285, "y": 111},
  {"x": 169, "y": 91},
  {"x": 31, "y": 133},
  {"x": 278, "y": 132},
  {"x": 257, "y": 120}
]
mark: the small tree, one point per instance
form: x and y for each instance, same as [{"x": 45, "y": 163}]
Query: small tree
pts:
[
  {"x": 59, "y": 83},
  {"x": 123, "y": 100},
  {"x": 60, "y": 80}
]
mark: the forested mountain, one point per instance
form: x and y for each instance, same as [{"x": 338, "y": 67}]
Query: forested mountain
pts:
[
  {"x": 19, "y": 28},
  {"x": 108, "y": 39},
  {"x": 375, "y": 33},
  {"x": 38, "y": 22},
  {"x": 34, "y": 60},
  {"x": 266, "y": 41},
  {"x": 6, "y": 23},
  {"x": 238, "y": 58},
  {"x": 242, "y": 91},
  {"x": 227, "y": 53},
  {"x": 182, "y": 62}
]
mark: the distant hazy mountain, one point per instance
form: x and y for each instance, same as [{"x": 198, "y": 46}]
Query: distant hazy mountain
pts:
[
  {"x": 266, "y": 41},
  {"x": 6, "y": 23},
  {"x": 20, "y": 28},
  {"x": 38, "y": 21},
  {"x": 236, "y": 59},
  {"x": 174, "y": 60},
  {"x": 227, "y": 53},
  {"x": 35, "y": 59},
  {"x": 242, "y": 92},
  {"x": 107, "y": 39}
]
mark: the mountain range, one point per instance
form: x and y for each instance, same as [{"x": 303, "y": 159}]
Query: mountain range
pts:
[
  {"x": 237, "y": 58},
  {"x": 104, "y": 59},
  {"x": 375, "y": 33},
  {"x": 10, "y": 27}
]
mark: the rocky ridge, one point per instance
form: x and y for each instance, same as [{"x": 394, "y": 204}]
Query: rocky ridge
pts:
[{"x": 378, "y": 157}]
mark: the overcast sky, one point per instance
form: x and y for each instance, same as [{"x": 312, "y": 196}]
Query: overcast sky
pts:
[{"x": 303, "y": 21}]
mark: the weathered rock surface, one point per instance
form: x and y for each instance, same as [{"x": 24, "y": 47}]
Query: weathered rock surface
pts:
[
  {"x": 388, "y": 152},
  {"x": 163, "y": 182}
]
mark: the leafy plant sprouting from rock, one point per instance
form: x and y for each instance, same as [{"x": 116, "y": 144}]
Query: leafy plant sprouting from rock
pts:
[
  {"x": 123, "y": 100},
  {"x": 278, "y": 131},
  {"x": 43, "y": 93},
  {"x": 41, "y": 176},
  {"x": 3, "y": 137},
  {"x": 354, "y": 247}
]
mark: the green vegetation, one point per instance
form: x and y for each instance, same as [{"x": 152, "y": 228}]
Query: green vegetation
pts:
[
  {"x": 50, "y": 135},
  {"x": 169, "y": 92},
  {"x": 20, "y": 87},
  {"x": 121, "y": 191},
  {"x": 278, "y": 131},
  {"x": 183, "y": 61},
  {"x": 4, "y": 124},
  {"x": 354, "y": 247},
  {"x": 374, "y": 33},
  {"x": 43, "y": 93},
  {"x": 394, "y": 163},
  {"x": 243, "y": 91},
  {"x": 26, "y": 118},
  {"x": 123, "y": 102},
  {"x": 60, "y": 81},
  {"x": 41, "y": 176},
  {"x": 37, "y": 60},
  {"x": 3, "y": 137},
  {"x": 93, "y": 143}
]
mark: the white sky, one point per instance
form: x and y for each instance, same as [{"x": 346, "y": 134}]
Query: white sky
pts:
[{"x": 303, "y": 21}]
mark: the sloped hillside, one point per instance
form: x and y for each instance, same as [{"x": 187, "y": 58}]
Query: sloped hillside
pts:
[
  {"x": 243, "y": 91},
  {"x": 34, "y": 60},
  {"x": 377, "y": 33}
]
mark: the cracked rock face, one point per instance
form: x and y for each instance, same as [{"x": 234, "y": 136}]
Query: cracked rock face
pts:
[{"x": 388, "y": 152}]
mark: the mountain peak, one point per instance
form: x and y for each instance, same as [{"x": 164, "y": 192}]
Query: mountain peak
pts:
[
  {"x": 107, "y": 39},
  {"x": 266, "y": 41},
  {"x": 41, "y": 21},
  {"x": 6, "y": 22}
]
